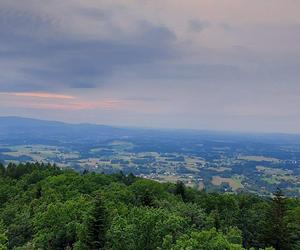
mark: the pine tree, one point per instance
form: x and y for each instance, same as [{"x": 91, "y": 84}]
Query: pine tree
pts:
[
  {"x": 96, "y": 226},
  {"x": 85, "y": 171},
  {"x": 2, "y": 169},
  {"x": 180, "y": 190},
  {"x": 130, "y": 179},
  {"x": 147, "y": 198},
  {"x": 38, "y": 193},
  {"x": 277, "y": 228}
]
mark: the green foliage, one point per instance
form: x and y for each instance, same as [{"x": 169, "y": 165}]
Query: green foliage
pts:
[
  {"x": 43, "y": 207},
  {"x": 3, "y": 237},
  {"x": 277, "y": 228},
  {"x": 203, "y": 240},
  {"x": 146, "y": 192},
  {"x": 2, "y": 169},
  {"x": 57, "y": 225},
  {"x": 293, "y": 228},
  {"x": 96, "y": 226},
  {"x": 252, "y": 220}
]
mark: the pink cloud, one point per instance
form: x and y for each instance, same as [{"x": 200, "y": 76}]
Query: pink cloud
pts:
[
  {"x": 83, "y": 105},
  {"x": 51, "y": 101},
  {"x": 40, "y": 95},
  {"x": 63, "y": 102}
]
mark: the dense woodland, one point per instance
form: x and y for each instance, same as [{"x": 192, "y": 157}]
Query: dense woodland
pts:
[{"x": 44, "y": 207}]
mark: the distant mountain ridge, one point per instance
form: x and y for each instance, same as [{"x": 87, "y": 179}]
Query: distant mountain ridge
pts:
[
  {"x": 20, "y": 129},
  {"x": 29, "y": 122},
  {"x": 23, "y": 129}
]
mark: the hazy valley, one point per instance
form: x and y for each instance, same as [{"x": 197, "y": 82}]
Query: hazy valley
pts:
[{"x": 214, "y": 161}]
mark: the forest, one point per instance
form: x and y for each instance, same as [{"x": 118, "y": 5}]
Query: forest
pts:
[{"x": 45, "y": 207}]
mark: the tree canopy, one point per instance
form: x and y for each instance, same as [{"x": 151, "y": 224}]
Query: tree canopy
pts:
[{"x": 44, "y": 207}]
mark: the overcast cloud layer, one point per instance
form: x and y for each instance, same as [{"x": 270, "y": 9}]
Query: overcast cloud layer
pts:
[{"x": 209, "y": 64}]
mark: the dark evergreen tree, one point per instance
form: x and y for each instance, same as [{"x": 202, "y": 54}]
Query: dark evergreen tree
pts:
[
  {"x": 11, "y": 170},
  {"x": 147, "y": 199},
  {"x": 276, "y": 227},
  {"x": 181, "y": 190},
  {"x": 130, "y": 179},
  {"x": 38, "y": 193},
  {"x": 2, "y": 169},
  {"x": 121, "y": 177},
  {"x": 96, "y": 226},
  {"x": 85, "y": 171}
]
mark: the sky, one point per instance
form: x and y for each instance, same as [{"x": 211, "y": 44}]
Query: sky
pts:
[{"x": 201, "y": 64}]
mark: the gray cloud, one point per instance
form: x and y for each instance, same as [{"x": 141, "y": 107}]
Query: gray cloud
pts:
[
  {"x": 98, "y": 14},
  {"x": 226, "y": 26},
  {"x": 74, "y": 61},
  {"x": 197, "y": 25},
  {"x": 59, "y": 59}
]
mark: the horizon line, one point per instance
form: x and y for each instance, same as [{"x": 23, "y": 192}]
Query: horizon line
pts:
[{"x": 245, "y": 132}]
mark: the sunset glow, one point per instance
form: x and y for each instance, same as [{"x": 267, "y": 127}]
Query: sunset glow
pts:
[{"x": 40, "y": 95}]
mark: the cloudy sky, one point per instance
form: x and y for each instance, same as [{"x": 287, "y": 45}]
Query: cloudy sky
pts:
[{"x": 204, "y": 64}]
